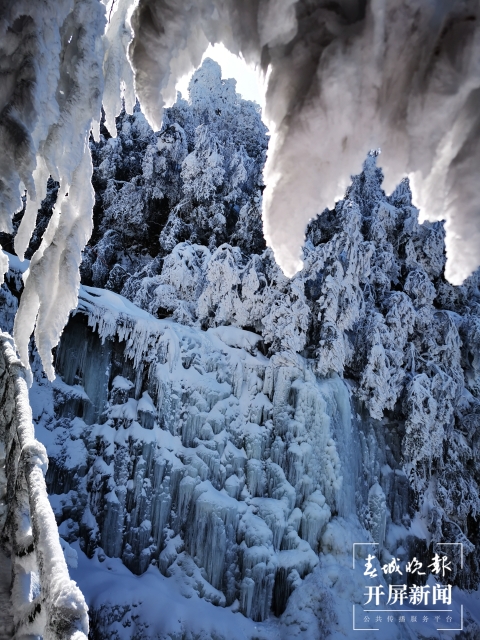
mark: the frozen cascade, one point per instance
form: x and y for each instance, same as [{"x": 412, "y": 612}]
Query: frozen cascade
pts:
[
  {"x": 346, "y": 443},
  {"x": 233, "y": 456}
]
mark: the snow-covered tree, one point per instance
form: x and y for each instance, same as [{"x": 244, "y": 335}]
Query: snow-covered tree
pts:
[{"x": 199, "y": 179}]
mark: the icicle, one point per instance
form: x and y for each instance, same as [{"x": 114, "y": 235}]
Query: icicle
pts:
[
  {"x": 378, "y": 513},
  {"x": 53, "y": 279},
  {"x": 3, "y": 268},
  {"x": 116, "y": 67}
]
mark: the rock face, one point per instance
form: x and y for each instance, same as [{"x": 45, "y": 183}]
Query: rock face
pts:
[{"x": 207, "y": 459}]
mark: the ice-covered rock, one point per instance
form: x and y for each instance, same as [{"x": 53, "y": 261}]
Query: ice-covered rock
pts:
[{"x": 186, "y": 443}]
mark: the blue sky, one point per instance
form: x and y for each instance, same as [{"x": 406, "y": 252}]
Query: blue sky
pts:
[{"x": 248, "y": 82}]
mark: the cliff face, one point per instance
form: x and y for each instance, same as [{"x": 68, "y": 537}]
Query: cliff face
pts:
[
  {"x": 206, "y": 458},
  {"x": 227, "y": 434}
]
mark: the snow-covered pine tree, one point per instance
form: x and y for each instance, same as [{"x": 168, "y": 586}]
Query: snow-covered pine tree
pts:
[{"x": 198, "y": 180}]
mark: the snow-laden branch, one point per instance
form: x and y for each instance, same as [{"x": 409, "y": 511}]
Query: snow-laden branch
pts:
[{"x": 53, "y": 606}]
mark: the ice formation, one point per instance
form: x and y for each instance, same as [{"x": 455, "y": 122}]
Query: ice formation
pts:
[
  {"x": 53, "y": 58},
  {"x": 226, "y": 468},
  {"x": 389, "y": 67}
]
